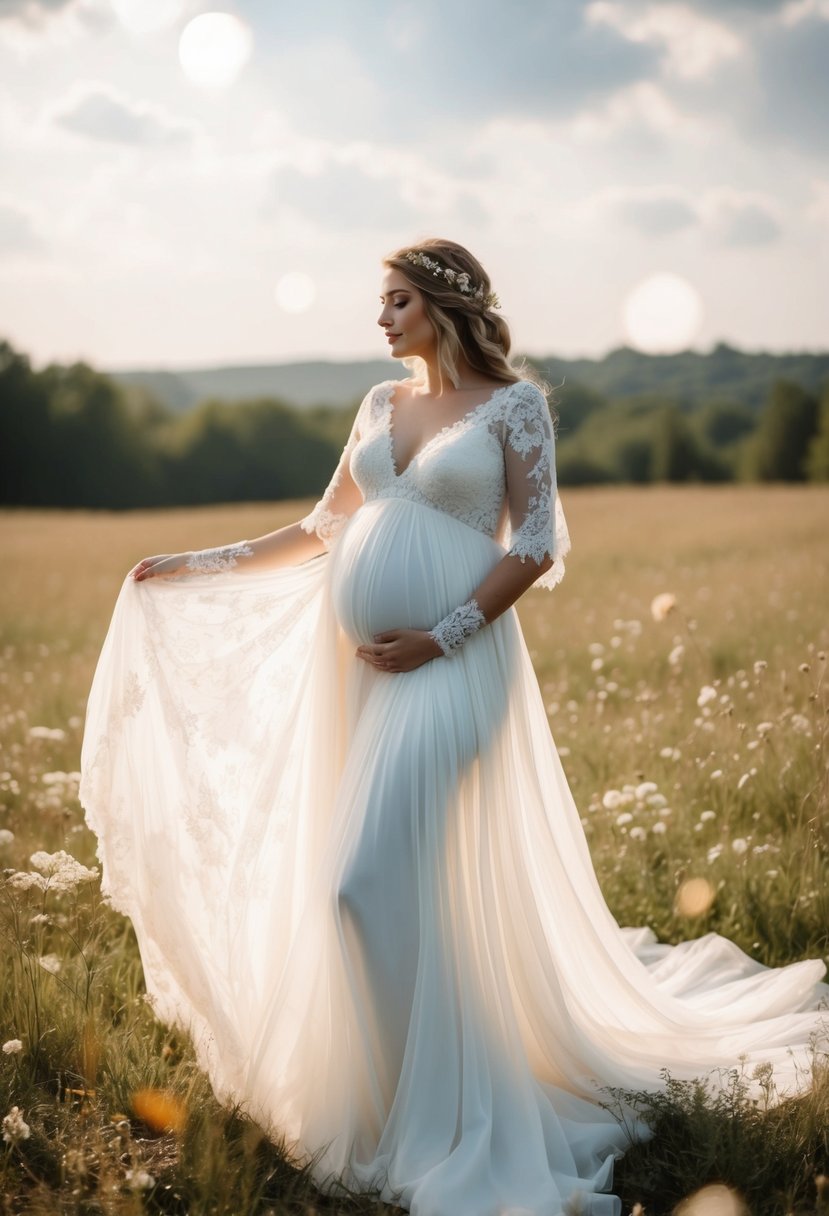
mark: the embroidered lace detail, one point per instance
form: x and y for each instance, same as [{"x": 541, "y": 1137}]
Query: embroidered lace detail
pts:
[
  {"x": 451, "y": 633},
  {"x": 327, "y": 524},
  {"x": 213, "y": 561}
]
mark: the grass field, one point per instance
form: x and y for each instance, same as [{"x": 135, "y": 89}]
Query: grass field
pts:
[{"x": 696, "y": 748}]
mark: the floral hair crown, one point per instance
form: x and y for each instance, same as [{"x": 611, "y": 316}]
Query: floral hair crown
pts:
[{"x": 460, "y": 280}]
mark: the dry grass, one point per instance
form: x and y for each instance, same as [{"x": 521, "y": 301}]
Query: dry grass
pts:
[{"x": 740, "y": 804}]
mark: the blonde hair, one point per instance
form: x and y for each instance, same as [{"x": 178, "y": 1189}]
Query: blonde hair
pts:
[{"x": 462, "y": 326}]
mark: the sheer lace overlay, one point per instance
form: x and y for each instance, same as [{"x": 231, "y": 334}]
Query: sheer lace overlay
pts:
[
  {"x": 213, "y": 561},
  {"x": 451, "y": 632},
  {"x": 493, "y": 469}
]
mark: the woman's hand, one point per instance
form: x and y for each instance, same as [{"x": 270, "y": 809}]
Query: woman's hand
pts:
[
  {"x": 163, "y": 565},
  {"x": 400, "y": 650}
]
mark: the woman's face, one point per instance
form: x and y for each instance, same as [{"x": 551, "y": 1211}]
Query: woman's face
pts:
[{"x": 403, "y": 316}]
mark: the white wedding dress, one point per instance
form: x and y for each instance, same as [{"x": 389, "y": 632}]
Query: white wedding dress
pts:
[{"x": 368, "y": 896}]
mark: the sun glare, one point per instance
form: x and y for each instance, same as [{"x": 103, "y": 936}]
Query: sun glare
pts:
[
  {"x": 295, "y": 291},
  {"x": 662, "y": 314},
  {"x": 213, "y": 49}
]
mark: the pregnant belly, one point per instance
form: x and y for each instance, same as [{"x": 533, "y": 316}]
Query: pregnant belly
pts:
[{"x": 400, "y": 565}]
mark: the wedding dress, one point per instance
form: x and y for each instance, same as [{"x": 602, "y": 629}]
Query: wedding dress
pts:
[{"x": 368, "y": 896}]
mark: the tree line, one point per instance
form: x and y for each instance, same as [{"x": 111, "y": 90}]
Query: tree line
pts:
[{"x": 71, "y": 436}]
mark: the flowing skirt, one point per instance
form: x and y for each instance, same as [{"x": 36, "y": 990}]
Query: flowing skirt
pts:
[{"x": 368, "y": 897}]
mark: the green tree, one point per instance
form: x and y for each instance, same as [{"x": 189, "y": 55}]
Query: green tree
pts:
[
  {"x": 784, "y": 433},
  {"x": 817, "y": 459}
]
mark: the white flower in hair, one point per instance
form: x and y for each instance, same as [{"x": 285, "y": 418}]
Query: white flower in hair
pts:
[{"x": 460, "y": 280}]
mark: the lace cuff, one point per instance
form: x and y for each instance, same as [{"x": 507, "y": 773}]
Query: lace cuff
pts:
[
  {"x": 451, "y": 633},
  {"x": 213, "y": 561}
]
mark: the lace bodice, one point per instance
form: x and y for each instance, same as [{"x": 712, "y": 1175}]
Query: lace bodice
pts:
[{"x": 493, "y": 468}]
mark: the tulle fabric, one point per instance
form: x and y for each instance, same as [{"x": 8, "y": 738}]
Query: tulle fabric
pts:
[{"x": 368, "y": 896}]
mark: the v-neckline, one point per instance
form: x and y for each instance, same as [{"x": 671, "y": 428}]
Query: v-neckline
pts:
[{"x": 444, "y": 430}]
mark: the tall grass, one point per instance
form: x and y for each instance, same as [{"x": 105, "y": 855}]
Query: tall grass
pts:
[{"x": 695, "y": 745}]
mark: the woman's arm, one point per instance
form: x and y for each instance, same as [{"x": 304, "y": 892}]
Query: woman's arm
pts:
[{"x": 297, "y": 542}]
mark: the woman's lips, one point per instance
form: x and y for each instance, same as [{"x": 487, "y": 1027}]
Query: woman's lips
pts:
[{"x": 391, "y": 337}]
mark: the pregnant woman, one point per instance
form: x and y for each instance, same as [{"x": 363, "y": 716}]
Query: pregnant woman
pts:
[{"x": 326, "y": 794}]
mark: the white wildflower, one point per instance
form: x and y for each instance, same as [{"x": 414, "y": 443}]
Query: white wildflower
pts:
[
  {"x": 595, "y": 648},
  {"x": 662, "y": 604},
  {"x": 638, "y": 833},
  {"x": 139, "y": 1179},
  {"x": 666, "y": 811},
  {"x": 13, "y": 1047},
  {"x": 63, "y": 871},
  {"x": 24, "y": 880},
  {"x": 46, "y": 732},
  {"x": 739, "y": 845},
  {"x": 714, "y": 852},
  {"x": 50, "y": 962},
  {"x": 656, "y": 800},
  {"x": 744, "y": 780},
  {"x": 659, "y": 827},
  {"x": 596, "y": 664},
  {"x": 760, "y": 665},
  {"x": 15, "y": 1127},
  {"x": 706, "y": 816},
  {"x": 676, "y": 656},
  {"x": 645, "y": 788},
  {"x": 670, "y": 753},
  {"x": 623, "y": 819},
  {"x": 6, "y": 837},
  {"x": 801, "y": 724},
  {"x": 763, "y": 728},
  {"x": 611, "y": 799},
  {"x": 716, "y": 774},
  {"x": 706, "y": 693}
]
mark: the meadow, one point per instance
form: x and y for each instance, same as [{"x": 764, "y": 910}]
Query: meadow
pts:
[{"x": 683, "y": 665}]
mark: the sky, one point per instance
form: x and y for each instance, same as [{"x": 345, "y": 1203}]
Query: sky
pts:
[{"x": 186, "y": 185}]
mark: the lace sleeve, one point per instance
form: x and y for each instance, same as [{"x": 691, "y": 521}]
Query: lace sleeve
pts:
[
  {"x": 537, "y": 526},
  {"x": 342, "y": 496}
]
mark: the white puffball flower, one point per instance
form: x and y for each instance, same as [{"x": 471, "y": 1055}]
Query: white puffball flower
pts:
[
  {"x": 659, "y": 827},
  {"x": 739, "y": 845},
  {"x": 676, "y": 656},
  {"x": 50, "y": 962},
  {"x": 645, "y": 788},
  {"x": 706, "y": 693},
  {"x": 6, "y": 837},
  {"x": 611, "y": 799},
  {"x": 662, "y": 604},
  {"x": 15, "y": 1127},
  {"x": 638, "y": 833},
  {"x": 12, "y": 1047},
  {"x": 624, "y": 818}
]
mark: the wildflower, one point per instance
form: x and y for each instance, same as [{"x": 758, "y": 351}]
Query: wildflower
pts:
[
  {"x": 13, "y": 1047},
  {"x": 15, "y": 1127},
  {"x": 596, "y": 664},
  {"x": 139, "y": 1179},
  {"x": 45, "y": 732},
  {"x": 645, "y": 788},
  {"x": 739, "y": 845},
  {"x": 707, "y": 815},
  {"x": 595, "y": 648},
  {"x": 746, "y": 777},
  {"x": 623, "y": 819},
  {"x": 63, "y": 871},
  {"x": 670, "y": 753},
  {"x": 716, "y": 774},
  {"x": 760, "y": 665},
  {"x": 50, "y": 962},
  {"x": 659, "y": 828},
  {"x": 706, "y": 694},
  {"x": 662, "y": 604},
  {"x": 611, "y": 799},
  {"x": 24, "y": 880},
  {"x": 804, "y": 667},
  {"x": 656, "y": 800},
  {"x": 675, "y": 656},
  {"x": 763, "y": 728},
  {"x": 713, "y": 853},
  {"x": 638, "y": 833},
  {"x": 6, "y": 837},
  {"x": 801, "y": 724}
]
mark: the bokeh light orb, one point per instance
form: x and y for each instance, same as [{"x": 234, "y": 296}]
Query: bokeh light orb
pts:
[
  {"x": 147, "y": 16},
  {"x": 213, "y": 49},
  {"x": 694, "y": 897},
  {"x": 295, "y": 291},
  {"x": 662, "y": 314}
]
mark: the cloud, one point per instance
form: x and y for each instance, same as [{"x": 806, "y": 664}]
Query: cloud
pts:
[
  {"x": 656, "y": 214},
  {"x": 691, "y": 44},
  {"x": 740, "y": 220},
  {"x": 17, "y": 233},
  {"x": 791, "y": 100},
  {"x": 96, "y": 110},
  {"x": 343, "y": 194}
]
